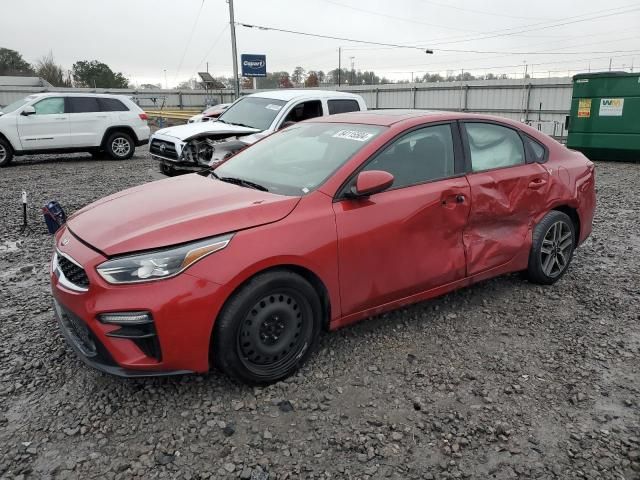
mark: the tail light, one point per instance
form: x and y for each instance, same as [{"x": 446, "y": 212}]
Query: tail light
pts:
[{"x": 143, "y": 116}]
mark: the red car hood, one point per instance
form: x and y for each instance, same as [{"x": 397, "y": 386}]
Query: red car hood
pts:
[{"x": 173, "y": 211}]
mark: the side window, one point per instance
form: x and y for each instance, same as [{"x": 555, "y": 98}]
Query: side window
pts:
[
  {"x": 50, "y": 106},
  {"x": 304, "y": 111},
  {"x": 342, "y": 106},
  {"x": 493, "y": 146},
  {"x": 420, "y": 156},
  {"x": 537, "y": 151},
  {"x": 111, "y": 105},
  {"x": 83, "y": 104}
]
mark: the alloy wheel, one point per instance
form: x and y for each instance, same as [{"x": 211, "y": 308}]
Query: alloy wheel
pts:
[
  {"x": 555, "y": 252},
  {"x": 120, "y": 146},
  {"x": 3, "y": 153}
]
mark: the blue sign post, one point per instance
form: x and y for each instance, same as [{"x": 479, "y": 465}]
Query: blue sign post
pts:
[{"x": 253, "y": 65}]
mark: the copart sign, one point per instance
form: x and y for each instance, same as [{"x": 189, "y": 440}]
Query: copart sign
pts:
[{"x": 253, "y": 65}]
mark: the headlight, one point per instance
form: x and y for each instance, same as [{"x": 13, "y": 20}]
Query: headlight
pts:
[{"x": 160, "y": 264}]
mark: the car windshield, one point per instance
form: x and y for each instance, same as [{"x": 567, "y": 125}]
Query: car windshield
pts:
[
  {"x": 15, "y": 105},
  {"x": 298, "y": 159},
  {"x": 253, "y": 112}
]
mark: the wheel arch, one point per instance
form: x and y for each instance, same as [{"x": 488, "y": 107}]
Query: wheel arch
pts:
[
  {"x": 6, "y": 139},
  {"x": 572, "y": 213},
  {"x": 118, "y": 128}
]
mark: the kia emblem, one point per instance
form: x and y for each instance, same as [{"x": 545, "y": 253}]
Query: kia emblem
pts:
[{"x": 64, "y": 241}]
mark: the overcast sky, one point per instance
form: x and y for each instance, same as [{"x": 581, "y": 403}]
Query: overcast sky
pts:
[{"x": 142, "y": 38}]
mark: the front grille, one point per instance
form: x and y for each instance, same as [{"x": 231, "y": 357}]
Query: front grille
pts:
[
  {"x": 73, "y": 273},
  {"x": 163, "y": 148}
]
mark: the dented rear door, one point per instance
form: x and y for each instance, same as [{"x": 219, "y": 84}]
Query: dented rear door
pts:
[{"x": 505, "y": 199}]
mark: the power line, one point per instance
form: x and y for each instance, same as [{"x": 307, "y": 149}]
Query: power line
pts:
[
  {"x": 215, "y": 42},
  {"x": 492, "y": 14},
  {"x": 410, "y": 20},
  {"x": 193, "y": 29},
  {"x": 345, "y": 39},
  {"x": 317, "y": 35}
]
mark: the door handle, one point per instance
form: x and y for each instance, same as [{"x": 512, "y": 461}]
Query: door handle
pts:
[
  {"x": 61, "y": 118},
  {"x": 459, "y": 198},
  {"x": 537, "y": 183}
]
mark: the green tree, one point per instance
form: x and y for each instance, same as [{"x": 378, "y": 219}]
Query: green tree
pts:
[
  {"x": 12, "y": 63},
  {"x": 96, "y": 74},
  {"x": 47, "y": 69}
]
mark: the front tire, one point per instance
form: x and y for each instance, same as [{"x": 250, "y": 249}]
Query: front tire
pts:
[
  {"x": 120, "y": 146},
  {"x": 552, "y": 248},
  {"x": 268, "y": 328},
  {"x": 167, "y": 170},
  {"x": 6, "y": 153}
]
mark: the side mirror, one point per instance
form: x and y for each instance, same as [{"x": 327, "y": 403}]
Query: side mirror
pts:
[
  {"x": 286, "y": 124},
  {"x": 370, "y": 182},
  {"x": 28, "y": 110}
]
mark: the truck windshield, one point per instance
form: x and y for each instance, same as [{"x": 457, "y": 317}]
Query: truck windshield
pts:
[
  {"x": 298, "y": 159},
  {"x": 15, "y": 105},
  {"x": 253, "y": 112}
]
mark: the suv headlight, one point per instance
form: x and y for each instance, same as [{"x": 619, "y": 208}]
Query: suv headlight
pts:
[{"x": 160, "y": 264}]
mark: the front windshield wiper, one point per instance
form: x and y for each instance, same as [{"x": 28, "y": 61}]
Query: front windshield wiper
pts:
[{"x": 240, "y": 181}]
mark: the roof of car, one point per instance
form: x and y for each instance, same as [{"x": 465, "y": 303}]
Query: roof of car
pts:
[
  {"x": 388, "y": 117},
  {"x": 79, "y": 94},
  {"x": 287, "y": 94}
]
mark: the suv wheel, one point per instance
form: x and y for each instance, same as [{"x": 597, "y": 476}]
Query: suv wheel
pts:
[
  {"x": 120, "y": 146},
  {"x": 6, "y": 153}
]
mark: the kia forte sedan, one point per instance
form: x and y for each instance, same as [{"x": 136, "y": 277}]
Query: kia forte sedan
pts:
[{"x": 315, "y": 227}]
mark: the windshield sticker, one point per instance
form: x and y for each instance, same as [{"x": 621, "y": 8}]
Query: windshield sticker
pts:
[
  {"x": 272, "y": 106},
  {"x": 353, "y": 135}
]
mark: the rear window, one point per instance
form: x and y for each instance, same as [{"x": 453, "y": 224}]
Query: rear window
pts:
[
  {"x": 537, "y": 150},
  {"x": 83, "y": 104},
  {"x": 112, "y": 105},
  {"x": 343, "y": 106}
]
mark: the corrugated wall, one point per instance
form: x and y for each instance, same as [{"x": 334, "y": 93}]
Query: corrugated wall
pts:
[{"x": 541, "y": 102}]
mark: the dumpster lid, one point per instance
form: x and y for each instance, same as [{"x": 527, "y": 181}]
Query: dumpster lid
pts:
[{"x": 604, "y": 74}]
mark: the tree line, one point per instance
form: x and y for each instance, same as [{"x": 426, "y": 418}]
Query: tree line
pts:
[
  {"x": 95, "y": 74},
  {"x": 83, "y": 73}
]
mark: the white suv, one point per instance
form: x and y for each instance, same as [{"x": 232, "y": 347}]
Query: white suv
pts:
[{"x": 72, "y": 122}]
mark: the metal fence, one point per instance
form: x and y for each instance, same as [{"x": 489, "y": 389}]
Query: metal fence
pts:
[{"x": 544, "y": 103}]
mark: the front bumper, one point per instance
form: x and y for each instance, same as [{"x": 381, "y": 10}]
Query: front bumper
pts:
[{"x": 183, "y": 309}]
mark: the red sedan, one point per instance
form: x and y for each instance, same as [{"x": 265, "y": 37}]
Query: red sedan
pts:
[{"x": 315, "y": 227}]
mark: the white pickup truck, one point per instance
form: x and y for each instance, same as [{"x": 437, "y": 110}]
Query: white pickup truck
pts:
[{"x": 194, "y": 146}]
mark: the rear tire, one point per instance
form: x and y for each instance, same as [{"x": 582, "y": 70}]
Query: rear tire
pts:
[
  {"x": 6, "y": 153},
  {"x": 554, "y": 240},
  {"x": 268, "y": 328},
  {"x": 120, "y": 146}
]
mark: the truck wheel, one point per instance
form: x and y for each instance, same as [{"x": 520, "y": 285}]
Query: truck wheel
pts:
[
  {"x": 120, "y": 146},
  {"x": 6, "y": 153}
]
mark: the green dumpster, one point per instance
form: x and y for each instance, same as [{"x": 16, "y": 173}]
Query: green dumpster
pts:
[{"x": 604, "y": 123}]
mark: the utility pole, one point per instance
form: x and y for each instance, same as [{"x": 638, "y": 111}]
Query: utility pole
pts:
[
  {"x": 339, "y": 66},
  {"x": 234, "y": 52},
  {"x": 166, "y": 85},
  {"x": 610, "y": 60}
]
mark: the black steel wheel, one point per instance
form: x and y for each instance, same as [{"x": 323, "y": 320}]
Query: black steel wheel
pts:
[
  {"x": 552, "y": 248},
  {"x": 268, "y": 328}
]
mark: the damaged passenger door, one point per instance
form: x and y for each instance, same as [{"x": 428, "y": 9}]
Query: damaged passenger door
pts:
[{"x": 506, "y": 194}]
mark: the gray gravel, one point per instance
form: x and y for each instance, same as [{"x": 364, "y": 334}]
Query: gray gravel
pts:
[{"x": 502, "y": 380}]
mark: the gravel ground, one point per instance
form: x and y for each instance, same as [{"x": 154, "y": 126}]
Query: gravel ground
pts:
[{"x": 503, "y": 380}]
